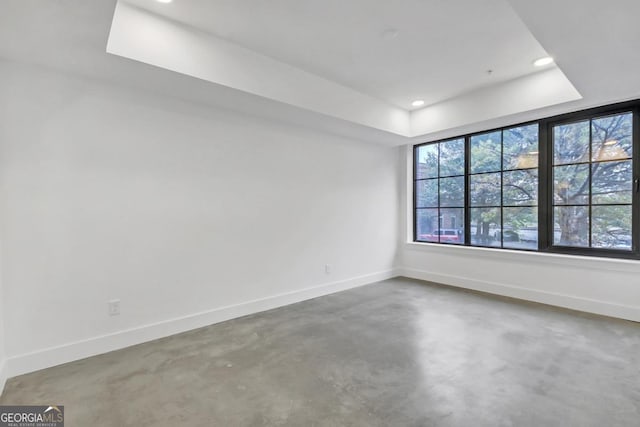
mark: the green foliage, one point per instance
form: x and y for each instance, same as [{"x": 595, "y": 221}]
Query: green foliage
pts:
[{"x": 486, "y": 152}]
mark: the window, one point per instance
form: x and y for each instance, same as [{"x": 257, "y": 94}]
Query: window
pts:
[
  {"x": 439, "y": 192},
  {"x": 593, "y": 182},
  {"x": 564, "y": 184},
  {"x": 503, "y": 187}
]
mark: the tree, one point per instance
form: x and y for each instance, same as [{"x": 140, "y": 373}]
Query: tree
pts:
[
  {"x": 592, "y": 166},
  {"x": 504, "y": 173}
]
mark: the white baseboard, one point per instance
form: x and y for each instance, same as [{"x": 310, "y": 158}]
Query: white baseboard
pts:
[
  {"x": 48, "y": 357},
  {"x": 626, "y": 312}
]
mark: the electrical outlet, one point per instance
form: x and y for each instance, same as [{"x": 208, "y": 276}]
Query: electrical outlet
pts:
[
  {"x": 114, "y": 307},
  {"x": 327, "y": 268}
]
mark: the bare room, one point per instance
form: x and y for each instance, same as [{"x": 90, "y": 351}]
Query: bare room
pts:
[{"x": 303, "y": 213}]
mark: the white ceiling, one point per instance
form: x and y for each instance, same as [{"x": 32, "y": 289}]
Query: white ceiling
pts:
[
  {"x": 443, "y": 48},
  {"x": 595, "y": 46}
]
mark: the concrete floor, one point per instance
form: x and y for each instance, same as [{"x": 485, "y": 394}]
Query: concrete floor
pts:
[{"x": 396, "y": 353}]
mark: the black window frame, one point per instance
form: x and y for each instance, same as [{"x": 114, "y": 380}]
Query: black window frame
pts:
[
  {"x": 438, "y": 177},
  {"x": 545, "y": 182},
  {"x": 501, "y": 171}
]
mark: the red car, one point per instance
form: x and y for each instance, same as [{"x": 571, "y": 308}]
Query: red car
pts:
[{"x": 445, "y": 235}]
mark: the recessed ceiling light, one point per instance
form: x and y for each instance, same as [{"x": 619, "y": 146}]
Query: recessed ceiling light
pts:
[
  {"x": 611, "y": 142},
  {"x": 418, "y": 103},
  {"x": 164, "y": 1},
  {"x": 543, "y": 61}
]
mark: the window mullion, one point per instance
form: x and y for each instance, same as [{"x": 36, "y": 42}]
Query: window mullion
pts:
[
  {"x": 635, "y": 199},
  {"x": 590, "y": 183},
  {"x": 545, "y": 185},
  {"x": 467, "y": 190}
]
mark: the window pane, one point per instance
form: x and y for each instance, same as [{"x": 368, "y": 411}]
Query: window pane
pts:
[
  {"x": 571, "y": 185},
  {"x": 427, "y": 161},
  {"x": 611, "y": 137},
  {"x": 573, "y": 222},
  {"x": 485, "y": 189},
  {"x": 520, "y": 228},
  {"x": 612, "y": 182},
  {"x": 611, "y": 227},
  {"x": 452, "y": 192},
  {"x": 452, "y": 157},
  {"x": 571, "y": 143},
  {"x": 486, "y": 152},
  {"x": 452, "y": 225},
  {"x": 520, "y": 147},
  {"x": 485, "y": 226},
  {"x": 520, "y": 188},
  {"x": 427, "y": 193},
  {"x": 426, "y": 223}
]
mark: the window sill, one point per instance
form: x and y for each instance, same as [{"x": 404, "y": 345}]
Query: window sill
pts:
[{"x": 565, "y": 260}]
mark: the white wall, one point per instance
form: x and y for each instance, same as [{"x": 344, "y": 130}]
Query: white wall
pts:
[
  {"x": 598, "y": 285},
  {"x": 3, "y": 355},
  {"x": 187, "y": 214}
]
